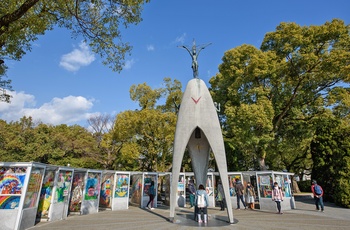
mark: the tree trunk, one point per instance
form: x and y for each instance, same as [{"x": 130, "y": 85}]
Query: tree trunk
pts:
[
  {"x": 262, "y": 165},
  {"x": 295, "y": 186}
]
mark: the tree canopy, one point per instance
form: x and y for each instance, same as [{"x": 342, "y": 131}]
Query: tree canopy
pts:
[
  {"x": 140, "y": 140},
  {"x": 24, "y": 141},
  {"x": 330, "y": 152},
  {"x": 151, "y": 129},
  {"x": 98, "y": 22},
  {"x": 271, "y": 96}
]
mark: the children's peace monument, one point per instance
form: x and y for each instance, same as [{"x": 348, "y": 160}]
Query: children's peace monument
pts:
[{"x": 198, "y": 129}]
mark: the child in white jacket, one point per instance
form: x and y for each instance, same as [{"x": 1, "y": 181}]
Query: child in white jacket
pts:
[{"x": 202, "y": 207}]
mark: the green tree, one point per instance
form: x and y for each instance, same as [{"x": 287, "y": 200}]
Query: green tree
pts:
[
  {"x": 74, "y": 146},
  {"x": 145, "y": 138},
  {"x": 16, "y": 139},
  {"x": 155, "y": 139},
  {"x": 4, "y": 84},
  {"x": 173, "y": 93},
  {"x": 39, "y": 147},
  {"x": 145, "y": 95},
  {"x": 330, "y": 152},
  {"x": 270, "y": 96},
  {"x": 25, "y": 141},
  {"x": 124, "y": 134},
  {"x": 97, "y": 21},
  {"x": 146, "y": 135}
]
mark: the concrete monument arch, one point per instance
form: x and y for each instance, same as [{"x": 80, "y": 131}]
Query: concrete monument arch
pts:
[{"x": 199, "y": 130}]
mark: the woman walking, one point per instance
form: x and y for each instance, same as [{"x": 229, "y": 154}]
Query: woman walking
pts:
[
  {"x": 151, "y": 193},
  {"x": 277, "y": 196},
  {"x": 250, "y": 199}
]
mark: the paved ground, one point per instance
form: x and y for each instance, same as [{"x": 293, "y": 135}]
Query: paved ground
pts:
[{"x": 303, "y": 217}]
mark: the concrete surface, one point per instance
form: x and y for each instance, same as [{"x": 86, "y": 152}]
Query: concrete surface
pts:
[{"x": 303, "y": 217}]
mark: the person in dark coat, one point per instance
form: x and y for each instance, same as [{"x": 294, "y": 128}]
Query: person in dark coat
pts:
[{"x": 240, "y": 194}]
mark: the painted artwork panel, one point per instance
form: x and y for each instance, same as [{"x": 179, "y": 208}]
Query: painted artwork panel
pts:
[
  {"x": 92, "y": 188},
  {"x": 232, "y": 183},
  {"x": 265, "y": 185},
  {"x": 9, "y": 170},
  {"x": 181, "y": 185},
  {"x": 147, "y": 185},
  {"x": 64, "y": 181},
  {"x": 9, "y": 202},
  {"x": 209, "y": 185},
  {"x": 46, "y": 194},
  {"x": 11, "y": 181},
  {"x": 136, "y": 189},
  {"x": 121, "y": 189},
  {"x": 286, "y": 188},
  {"x": 106, "y": 193},
  {"x": 77, "y": 191},
  {"x": 33, "y": 188}
]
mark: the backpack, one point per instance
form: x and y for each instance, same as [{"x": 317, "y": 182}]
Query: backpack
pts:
[
  {"x": 201, "y": 201},
  {"x": 318, "y": 189}
]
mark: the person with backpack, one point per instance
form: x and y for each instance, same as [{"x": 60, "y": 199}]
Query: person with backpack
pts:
[
  {"x": 202, "y": 202},
  {"x": 221, "y": 196},
  {"x": 317, "y": 191}
]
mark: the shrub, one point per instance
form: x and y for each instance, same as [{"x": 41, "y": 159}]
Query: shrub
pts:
[{"x": 304, "y": 186}]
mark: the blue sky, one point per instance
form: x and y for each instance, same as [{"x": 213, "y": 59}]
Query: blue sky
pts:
[{"x": 62, "y": 82}]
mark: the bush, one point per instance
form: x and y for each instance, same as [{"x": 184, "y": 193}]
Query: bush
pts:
[
  {"x": 330, "y": 153},
  {"x": 342, "y": 193},
  {"x": 304, "y": 186}
]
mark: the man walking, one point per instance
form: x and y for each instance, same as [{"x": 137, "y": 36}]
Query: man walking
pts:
[
  {"x": 240, "y": 193},
  {"x": 192, "y": 191},
  {"x": 318, "y": 195}
]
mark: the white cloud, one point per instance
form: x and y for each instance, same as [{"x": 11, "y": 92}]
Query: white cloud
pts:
[
  {"x": 77, "y": 58},
  {"x": 181, "y": 39},
  {"x": 18, "y": 102},
  {"x": 150, "y": 48},
  {"x": 67, "y": 110},
  {"x": 129, "y": 63}
]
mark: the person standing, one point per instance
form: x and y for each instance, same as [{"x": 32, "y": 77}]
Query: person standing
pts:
[
  {"x": 221, "y": 196},
  {"x": 192, "y": 191},
  {"x": 277, "y": 196},
  {"x": 250, "y": 199},
  {"x": 240, "y": 194},
  {"x": 151, "y": 193},
  {"x": 317, "y": 191},
  {"x": 202, "y": 203}
]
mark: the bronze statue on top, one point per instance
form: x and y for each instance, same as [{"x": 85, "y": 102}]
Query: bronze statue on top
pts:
[{"x": 194, "y": 52}]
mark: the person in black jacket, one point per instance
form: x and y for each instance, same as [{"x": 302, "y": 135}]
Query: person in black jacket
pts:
[
  {"x": 192, "y": 191},
  {"x": 221, "y": 196},
  {"x": 240, "y": 194},
  {"x": 151, "y": 193}
]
